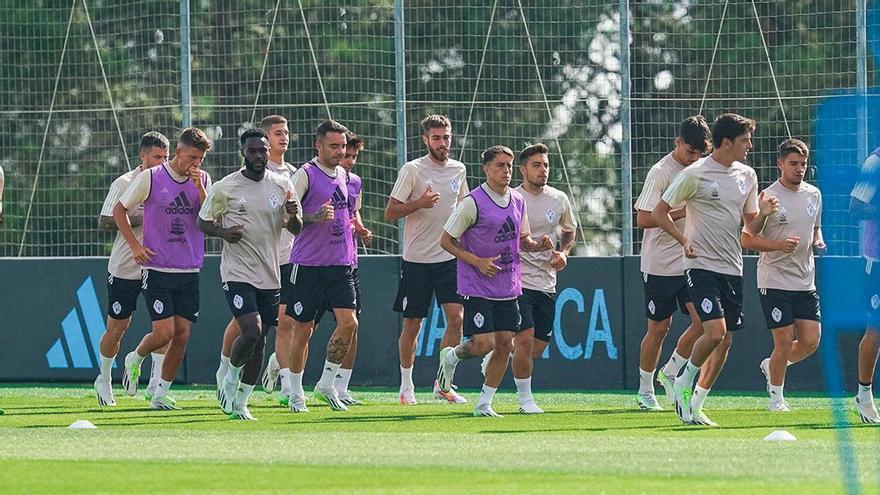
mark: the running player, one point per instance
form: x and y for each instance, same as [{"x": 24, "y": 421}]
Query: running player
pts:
[
  {"x": 171, "y": 254},
  {"x": 124, "y": 274},
  {"x": 426, "y": 192},
  {"x": 661, "y": 265},
  {"x": 322, "y": 256},
  {"x": 550, "y": 213},
  {"x": 786, "y": 269},
  {"x": 486, "y": 233},
  {"x": 248, "y": 209},
  {"x": 279, "y": 137},
  {"x": 864, "y": 206},
  {"x": 719, "y": 193}
]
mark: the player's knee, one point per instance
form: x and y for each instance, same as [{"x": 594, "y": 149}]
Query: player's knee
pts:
[
  {"x": 454, "y": 321},
  {"x": 504, "y": 347}
]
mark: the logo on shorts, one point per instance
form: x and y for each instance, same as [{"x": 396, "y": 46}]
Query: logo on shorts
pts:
[
  {"x": 273, "y": 201},
  {"x": 403, "y": 303},
  {"x": 875, "y": 301},
  {"x": 298, "y": 308},
  {"x": 651, "y": 307},
  {"x": 117, "y": 308},
  {"x": 238, "y": 302},
  {"x": 479, "y": 320},
  {"x": 551, "y": 215},
  {"x": 776, "y": 314},
  {"x": 714, "y": 186},
  {"x": 158, "y": 307},
  {"x": 706, "y": 305},
  {"x": 783, "y": 214}
]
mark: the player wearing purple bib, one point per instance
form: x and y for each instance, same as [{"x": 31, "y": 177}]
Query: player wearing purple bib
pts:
[
  {"x": 171, "y": 254},
  {"x": 124, "y": 274},
  {"x": 321, "y": 256},
  {"x": 486, "y": 233}
]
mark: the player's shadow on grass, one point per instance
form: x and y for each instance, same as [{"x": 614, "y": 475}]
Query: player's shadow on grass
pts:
[{"x": 344, "y": 418}]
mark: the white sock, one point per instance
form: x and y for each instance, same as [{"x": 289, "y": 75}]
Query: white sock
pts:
[
  {"x": 646, "y": 382},
  {"x": 234, "y": 374},
  {"x": 776, "y": 392},
  {"x": 689, "y": 374},
  {"x": 524, "y": 389},
  {"x": 224, "y": 365},
  {"x": 328, "y": 375},
  {"x": 342, "y": 379},
  {"x": 296, "y": 384},
  {"x": 674, "y": 365},
  {"x": 161, "y": 389},
  {"x": 406, "y": 378},
  {"x": 486, "y": 394},
  {"x": 698, "y": 398},
  {"x": 865, "y": 393},
  {"x": 243, "y": 394},
  {"x": 106, "y": 366},
  {"x": 155, "y": 370},
  {"x": 285, "y": 381},
  {"x": 138, "y": 358},
  {"x": 452, "y": 357}
]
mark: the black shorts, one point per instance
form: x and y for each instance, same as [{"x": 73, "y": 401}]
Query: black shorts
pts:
[
  {"x": 122, "y": 294},
  {"x": 488, "y": 315},
  {"x": 663, "y": 294},
  {"x": 325, "y": 307},
  {"x": 244, "y": 299},
  {"x": 286, "y": 285},
  {"x": 782, "y": 307},
  {"x": 170, "y": 294},
  {"x": 872, "y": 293},
  {"x": 716, "y": 295},
  {"x": 418, "y": 281},
  {"x": 313, "y": 285},
  {"x": 537, "y": 310}
]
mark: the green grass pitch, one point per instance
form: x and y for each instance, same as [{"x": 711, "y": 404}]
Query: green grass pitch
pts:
[{"x": 585, "y": 443}]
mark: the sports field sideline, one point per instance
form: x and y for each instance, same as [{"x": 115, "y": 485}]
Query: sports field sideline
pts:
[{"x": 586, "y": 443}]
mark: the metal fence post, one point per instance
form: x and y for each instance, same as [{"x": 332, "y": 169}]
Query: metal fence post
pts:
[
  {"x": 626, "y": 238},
  {"x": 400, "y": 96},
  {"x": 185, "y": 69}
]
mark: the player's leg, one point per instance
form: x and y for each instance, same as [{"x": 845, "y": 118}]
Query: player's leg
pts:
[
  {"x": 302, "y": 305},
  {"x": 280, "y": 358},
  {"x": 267, "y": 301},
  {"x": 242, "y": 301},
  {"x": 157, "y": 359},
  {"x": 157, "y": 289},
  {"x": 505, "y": 321},
  {"x": 477, "y": 342},
  {"x": 345, "y": 369},
  {"x": 442, "y": 277},
  {"x": 537, "y": 312},
  {"x": 229, "y": 335},
  {"x": 185, "y": 302},
  {"x": 667, "y": 374},
  {"x": 337, "y": 347},
  {"x": 869, "y": 348},
  {"x": 122, "y": 297},
  {"x": 412, "y": 301}
]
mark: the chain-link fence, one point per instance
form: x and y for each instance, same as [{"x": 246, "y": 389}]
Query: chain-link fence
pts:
[{"x": 82, "y": 80}]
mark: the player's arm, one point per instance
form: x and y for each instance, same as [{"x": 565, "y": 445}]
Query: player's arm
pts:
[
  {"x": 195, "y": 175},
  {"x": 213, "y": 208},
  {"x": 462, "y": 218},
  {"x": 754, "y": 221},
  {"x": 761, "y": 244},
  {"x": 360, "y": 229},
  {"x": 682, "y": 188},
  {"x": 398, "y": 206},
  {"x": 137, "y": 193},
  {"x": 645, "y": 219},
  {"x": 529, "y": 245}
]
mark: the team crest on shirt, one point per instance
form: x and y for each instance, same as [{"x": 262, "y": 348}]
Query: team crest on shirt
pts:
[
  {"x": 117, "y": 308},
  {"x": 242, "y": 205},
  {"x": 455, "y": 184},
  {"x": 776, "y": 314},
  {"x": 715, "y": 187},
  {"x": 706, "y": 305},
  {"x": 479, "y": 320},
  {"x": 811, "y": 208},
  {"x": 741, "y": 183},
  {"x": 237, "y": 301},
  {"x": 158, "y": 307},
  {"x": 273, "y": 201},
  {"x": 875, "y": 301},
  {"x": 551, "y": 215},
  {"x": 783, "y": 214}
]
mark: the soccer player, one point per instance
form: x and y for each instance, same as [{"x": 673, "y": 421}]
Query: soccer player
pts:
[
  {"x": 786, "y": 269},
  {"x": 248, "y": 209},
  {"x": 124, "y": 274},
  {"x": 353, "y": 147},
  {"x": 863, "y": 206},
  {"x": 171, "y": 254},
  {"x": 322, "y": 254},
  {"x": 279, "y": 137},
  {"x": 663, "y": 277},
  {"x": 719, "y": 193},
  {"x": 486, "y": 233},
  {"x": 426, "y": 192},
  {"x": 550, "y": 213}
]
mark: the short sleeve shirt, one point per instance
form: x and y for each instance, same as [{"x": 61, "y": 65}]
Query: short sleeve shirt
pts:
[
  {"x": 661, "y": 253},
  {"x": 465, "y": 214},
  {"x": 549, "y": 212},
  {"x": 286, "y": 170},
  {"x": 122, "y": 264}
]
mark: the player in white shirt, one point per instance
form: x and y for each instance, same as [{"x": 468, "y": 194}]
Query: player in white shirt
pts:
[
  {"x": 124, "y": 274},
  {"x": 786, "y": 269}
]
